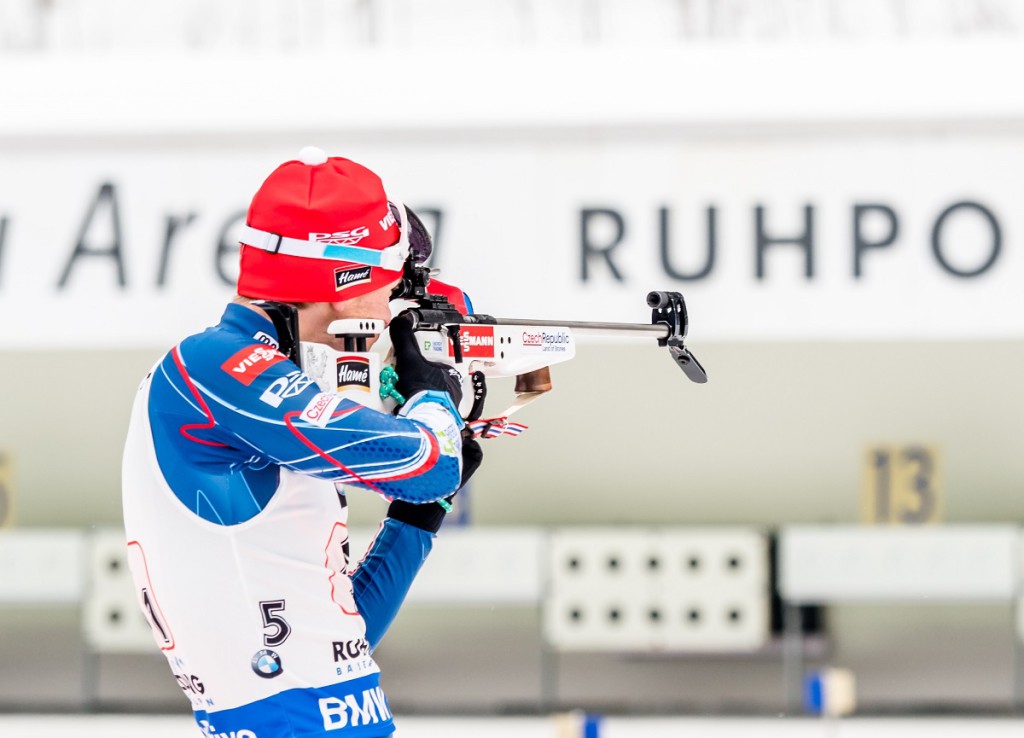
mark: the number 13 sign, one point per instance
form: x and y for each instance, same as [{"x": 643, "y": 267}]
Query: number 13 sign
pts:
[{"x": 901, "y": 485}]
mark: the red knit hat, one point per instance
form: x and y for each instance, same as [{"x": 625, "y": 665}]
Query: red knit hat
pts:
[{"x": 321, "y": 230}]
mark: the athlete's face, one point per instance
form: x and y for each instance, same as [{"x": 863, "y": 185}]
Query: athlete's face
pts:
[{"x": 315, "y": 317}]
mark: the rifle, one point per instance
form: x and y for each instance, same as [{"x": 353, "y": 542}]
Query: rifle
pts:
[{"x": 482, "y": 346}]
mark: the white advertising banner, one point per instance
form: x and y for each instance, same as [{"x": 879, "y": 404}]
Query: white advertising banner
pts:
[{"x": 835, "y": 237}]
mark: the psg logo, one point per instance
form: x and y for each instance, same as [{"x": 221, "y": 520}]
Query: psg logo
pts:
[{"x": 266, "y": 664}]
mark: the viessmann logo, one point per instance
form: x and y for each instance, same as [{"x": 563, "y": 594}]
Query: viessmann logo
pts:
[
  {"x": 251, "y": 362},
  {"x": 477, "y": 342},
  {"x": 353, "y": 373}
]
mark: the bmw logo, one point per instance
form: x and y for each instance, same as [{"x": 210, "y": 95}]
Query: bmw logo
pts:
[{"x": 266, "y": 664}]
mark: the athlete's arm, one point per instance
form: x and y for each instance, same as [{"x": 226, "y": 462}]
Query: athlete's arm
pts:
[
  {"x": 382, "y": 578},
  {"x": 257, "y": 401}
]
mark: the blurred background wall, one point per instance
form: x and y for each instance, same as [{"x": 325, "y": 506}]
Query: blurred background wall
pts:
[{"x": 833, "y": 185}]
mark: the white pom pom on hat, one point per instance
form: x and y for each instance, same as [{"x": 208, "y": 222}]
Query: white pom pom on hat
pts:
[{"x": 312, "y": 156}]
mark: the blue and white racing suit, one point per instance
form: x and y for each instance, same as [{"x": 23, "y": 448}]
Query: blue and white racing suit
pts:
[{"x": 237, "y": 538}]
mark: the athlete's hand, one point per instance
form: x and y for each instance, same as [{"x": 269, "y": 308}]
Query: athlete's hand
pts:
[
  {"x": 430, "y": 516},
  {"x": 416, "y": 374}
]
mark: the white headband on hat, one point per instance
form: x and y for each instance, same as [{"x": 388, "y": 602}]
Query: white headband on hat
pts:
[{"x": 392, "y": 258}]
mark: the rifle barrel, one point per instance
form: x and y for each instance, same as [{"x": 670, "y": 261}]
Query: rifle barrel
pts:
[{"x": 644, "y": 329}]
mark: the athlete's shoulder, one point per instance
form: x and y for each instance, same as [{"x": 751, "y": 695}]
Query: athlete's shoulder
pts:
[{"x": 241, "y": 346}]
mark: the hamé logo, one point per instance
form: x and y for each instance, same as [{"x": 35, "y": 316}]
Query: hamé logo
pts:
[
  {"x": 344, "y": 278},
  {"x": 353, "y": 373}
]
